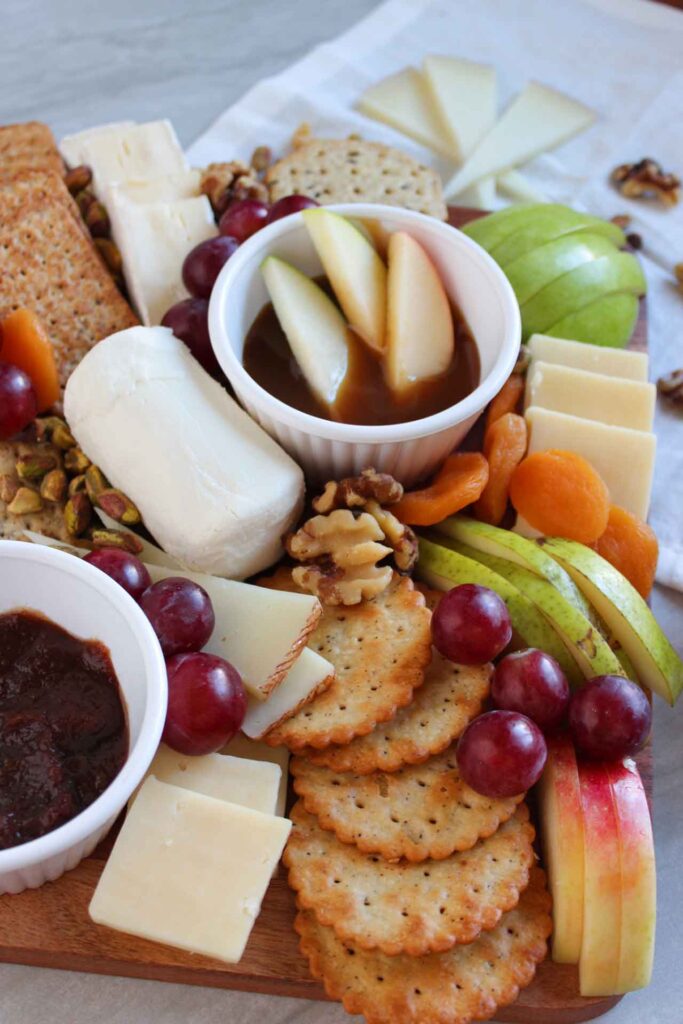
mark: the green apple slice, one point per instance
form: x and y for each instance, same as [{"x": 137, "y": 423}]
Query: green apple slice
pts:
[
  {"x": 489, "y": 231},
  {"x": 529, "y": 273},
  {"x": 443, "y": 568},
  {"x": 542, "y": 227},
  {"x": 315, "y": 329},
  {"x": 609, "y": 321},
  {"x": 626, "y": 614},
  {"x": 619, "y": 272},
  {"x": 354, "y": 269}
]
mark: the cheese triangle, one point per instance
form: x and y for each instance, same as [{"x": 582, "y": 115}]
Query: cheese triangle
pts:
[
  {"x": 464, "y": 97},
  {"x": 403, "y": 102}
]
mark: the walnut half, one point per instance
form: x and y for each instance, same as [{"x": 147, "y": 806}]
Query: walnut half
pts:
[{"x": 646, "y": 179}]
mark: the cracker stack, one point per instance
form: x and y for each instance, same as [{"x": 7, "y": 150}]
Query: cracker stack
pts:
[{"x": 419, "y": 899}]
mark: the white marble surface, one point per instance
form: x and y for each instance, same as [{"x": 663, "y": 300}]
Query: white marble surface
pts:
[{"x": 74, "y": 63}]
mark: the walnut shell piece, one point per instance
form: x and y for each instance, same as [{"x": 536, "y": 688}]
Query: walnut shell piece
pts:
[
  {"x": 225, "y": 183},
  {"x": 671, "y": 387},
  {"x": 645, "y": 179}
]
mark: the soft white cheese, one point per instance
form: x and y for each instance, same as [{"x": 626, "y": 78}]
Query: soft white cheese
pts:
[
  {"x": 213, "y": 488},
  {"x": 169, "y": 187},
  {"x": 73, "y": 147},
  {"x": 128, "y": 152}
]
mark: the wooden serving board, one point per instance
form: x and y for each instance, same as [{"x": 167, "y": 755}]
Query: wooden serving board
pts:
[{"x": 50, "y": 927}]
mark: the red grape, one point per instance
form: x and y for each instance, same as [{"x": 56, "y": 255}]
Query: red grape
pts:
[
  {"x": 609, "y": 718},
  {"x": 203, "y": 264},
  {"x": 289, "y": 204},
  {"x": 18, "y": 405},
  {"x": 189, "y": 321},
  {"x": 243, "y": 219},
  {"x": 501, "y": 754},
  {"x": 471, "y": 625},
  {"x": 126, "y": 569},
  {"x": 206, "y": 703},
  {"x": 180, "y": 612},
  {"x": 532, "y": 683}
]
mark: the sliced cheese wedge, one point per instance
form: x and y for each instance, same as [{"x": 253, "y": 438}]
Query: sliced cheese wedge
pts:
[
  {"x": 403, "y": 102},
  {"x": 464, "y": 96},
  {"x": 154, "y": 239},
  {"x": 169, "y": 187},
  {"x": 481, "y": 195},
  {"x": 254, "y": 750},
  {"x": 515, "y": 186},
  {"x": 613, "y": 362},
  {"x": 539, "y": 119},
  {"x": 310, "y": 675},
  {"x": 132, "y": 153},
  {"x": 72, "y": 147},
  {"x": 592, "y": 396}
]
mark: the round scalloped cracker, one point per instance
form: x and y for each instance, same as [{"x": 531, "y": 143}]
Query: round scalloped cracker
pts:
[
  {"x": 450, "y": 697},
  {"x": 380, "y": 650},
  {"x": 423, "y": 811},
  {"x": 408, "y": 908},
  {"x": 465, "y": 984}
]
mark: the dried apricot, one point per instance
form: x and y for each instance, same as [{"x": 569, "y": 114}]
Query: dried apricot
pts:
[
  {"x": 505, "y": 444},
  {"x": 631, "y": 547},
  {"x": 506, "y": 400},
  {"x": 561, "y": 495},
  {"x": 459, "y": 482},
  {"x": 25, "y": 343}
]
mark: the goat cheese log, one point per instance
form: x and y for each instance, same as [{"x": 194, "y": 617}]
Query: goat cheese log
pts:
[{"x": 212, "y": 487}]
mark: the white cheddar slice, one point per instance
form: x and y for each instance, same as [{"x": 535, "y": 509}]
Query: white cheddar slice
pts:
[
  {"x": 241, "y": 746},
  {"x": 214, "y": 490},
  {"x": 132, "y": 153},
  {"x": 253, "y": 784},
  {"x": 624, "y": 458},
  {"x": 537, "y": 120},
  {"x": 262, "y": 632},
  {"x": 189, "y": 871},
  {"x": 592, "y": 396},
  {"x": 72, "y": 147},
  {"x": 481, "y": 195},
  {"x": 182, "y": 185},
  {"x": 154, "y": 239},
  {"x": 464, "y": 95},
  {"x": 613, "y": 362},
  {"x": 515, "y": 186},
  {"x": 303, "y": 682},
  {"x": 403, "y": 102}
]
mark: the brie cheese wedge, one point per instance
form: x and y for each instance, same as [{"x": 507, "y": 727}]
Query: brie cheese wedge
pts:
[
  {"x": 166, "y": 189},
  {"x": 72, "y": 147},
  {"x": 131, "y": 153}
]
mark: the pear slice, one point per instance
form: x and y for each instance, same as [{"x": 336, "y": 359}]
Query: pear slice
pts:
[
  {"x": 626, "y": 614},
  {"x": 443, "y": 568},
  {"x": 420, "y": 337},
  {"x": 315, "y": 329},
  {"x": 354, "y": 269}
]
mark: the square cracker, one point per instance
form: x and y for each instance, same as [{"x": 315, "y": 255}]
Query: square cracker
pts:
[
  {"x": 28, "y": 147},
  {"x": 49, "y": 264}
]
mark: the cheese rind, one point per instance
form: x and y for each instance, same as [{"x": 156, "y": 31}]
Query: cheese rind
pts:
[
  {"x": 308, "y": 676},
  {"x": 189, "y": 871},
  {"x": 213, "y": 488},
  {"x": 241, "y": 746},
  {"x": 253, "y": 784},
  {"x": 591, "y": 396},
  {"x": 403, "y": 102},
  {"x": 613, "y": 362}
]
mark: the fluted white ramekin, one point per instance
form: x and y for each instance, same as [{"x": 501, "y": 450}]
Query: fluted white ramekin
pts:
[
  {"x": 87, "y": 603},
  {"x": 324, "y": 449}
]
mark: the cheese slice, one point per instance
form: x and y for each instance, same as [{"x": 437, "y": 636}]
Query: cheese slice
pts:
[
  {"x": 254, "y": 750},
  {"x": 150, "y": 553},
  {"x": 309, "y": 675},
  {"x": 189, "y": 871},
  {"x": 262, "y": 632},
  {"x": 72, "y": 147},
  {"x": 403, "y": 102},
  {"x": 154, "y": 239},
  {"x": 214, "y": 490},
  {"x": 515, "y": 186},
  {"x": 464, "y": 95},
  {"x": 624, "y": 458},
  {"x": 592, "y": 396},
  {"x": 537, "y": 120},
  {"x": 132, "y": 153},
  {"x": 612, "y": 362},
  {"x": 254, "y": 784},
  {"x": 181, "y": 185},
  {"x": 481, "y": 195}
]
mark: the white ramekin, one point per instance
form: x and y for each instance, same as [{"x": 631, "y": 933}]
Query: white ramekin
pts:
[
  {"x": 89, "y": 604},
  {"x": 408, "y": 450}
]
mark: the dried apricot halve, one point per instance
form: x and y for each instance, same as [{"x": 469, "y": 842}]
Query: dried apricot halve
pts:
[
  {"x": 506, "y": 400},
  {"x": 459, "y": 482},
  {"x": 24, "y": 342},
  {"x": 630, "y": 545},
  {"x": 561, "y": 495},
  {"x": 505, "y": 445}
]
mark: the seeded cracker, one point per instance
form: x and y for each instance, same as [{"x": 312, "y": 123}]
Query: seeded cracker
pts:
[
  {"x": 402, "y": 907},
  {"x": 465, "y": 984},
  {"x": 451, "y": 696},
  {"x": 356, "y": 171},
  {"x": 418, "y": 812},
  {"x": 379, "y": 650},
  {"x": 28, "y": 147}
]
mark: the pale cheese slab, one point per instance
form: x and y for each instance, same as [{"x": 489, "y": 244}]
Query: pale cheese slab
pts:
[
  {"x": 167, "y": 188},
  {"x": 464, "y": 96},
  {"x": 189, "y": 871},
  {"x": 132, "y": 152},
  {"x": 73, "y": 147},
  {"x": 613, "y": 362},
  {"x": 309, "y": 675},
  {"x": 154, "y": 239},
  {"x": 403, "y": 102},
  {"x": 592, "y": 396},
  {"x": 237, "y": 780},
  {"x": 242, "y": 746}
]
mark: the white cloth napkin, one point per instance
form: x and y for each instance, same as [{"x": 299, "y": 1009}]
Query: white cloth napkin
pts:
[{"x": 624, "y": 58}]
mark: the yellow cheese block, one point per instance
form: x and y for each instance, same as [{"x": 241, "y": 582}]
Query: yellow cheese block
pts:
[
  {"x": 592, "y": 396},
  {"x": 242, "y": 746},
  {"x": 613, "y": 362},
  {"x": 189, "y": 871},
  {"x": 624, "y": 458}
]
